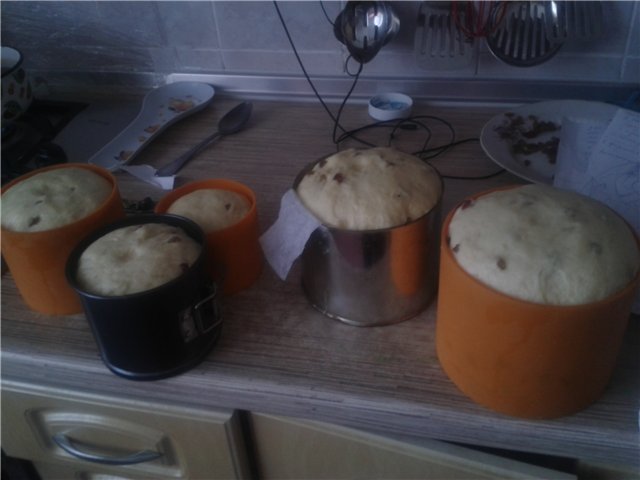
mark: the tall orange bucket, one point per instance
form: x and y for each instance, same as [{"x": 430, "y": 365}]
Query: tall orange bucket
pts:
[
  {"x": 37, "y": 260},
  {"x": 522, "y": 358}
]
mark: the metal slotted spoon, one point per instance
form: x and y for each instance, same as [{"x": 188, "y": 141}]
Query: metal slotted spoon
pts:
[
  {"x": 521, "y": 38},
  {"x": 575, "y": 20},
  {"x": 439, "y": 44}
]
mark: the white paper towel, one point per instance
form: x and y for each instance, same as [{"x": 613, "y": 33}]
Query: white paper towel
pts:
[
  {"x": 147, "y": 174},
  {"x": 284, "y": 241},
  {"x": 602, "y": 161}
]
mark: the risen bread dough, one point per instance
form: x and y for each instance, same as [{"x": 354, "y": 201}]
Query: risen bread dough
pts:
[
  {"x": 135, "y": 259},
  {"x": 212, "y": 209},
  {"x": 544, "y": 245},
  {"x": 370, "y": 189},
  {"x": 53, "y": 199}
]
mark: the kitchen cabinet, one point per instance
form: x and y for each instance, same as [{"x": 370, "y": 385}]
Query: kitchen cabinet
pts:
[
  {"x": 279, "y": 357},
  {"x": 71, "y": 435},
  {"x": 291, "y": 449}
]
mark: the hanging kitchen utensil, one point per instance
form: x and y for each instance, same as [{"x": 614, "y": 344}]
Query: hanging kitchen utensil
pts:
[
  {"x": 573, "y": 20},
  {"x": 438, "y": 43},
  {"x": 365, "y": 27},
  {"x": 521, "y": 38}
]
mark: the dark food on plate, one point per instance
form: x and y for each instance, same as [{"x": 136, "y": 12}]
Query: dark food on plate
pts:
[{"x": 519, "y": 130}]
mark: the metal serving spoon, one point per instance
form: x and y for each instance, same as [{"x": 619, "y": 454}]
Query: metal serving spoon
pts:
[{"x": 232, "y": 122}]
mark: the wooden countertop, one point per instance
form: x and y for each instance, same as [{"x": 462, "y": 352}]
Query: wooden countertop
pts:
[{"x": 278, "y": 355}]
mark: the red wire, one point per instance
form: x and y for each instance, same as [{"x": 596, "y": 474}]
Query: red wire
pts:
[{"x": 480, "y": 29}]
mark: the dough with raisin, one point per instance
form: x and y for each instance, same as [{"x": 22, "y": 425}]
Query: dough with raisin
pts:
[
  {"x": 544, "y": 245},
  {"x": 212, "y": 209},
  {"x": 370, "y": 189},
  {"x": 135, "y": 259},
  {"x": 53, "y": 199}
]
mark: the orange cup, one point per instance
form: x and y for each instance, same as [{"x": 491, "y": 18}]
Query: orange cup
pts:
[
  {"x": 234, "y": 253},
  {"x": 522, "y": 358},
  {"x": 37, "y": 259}
]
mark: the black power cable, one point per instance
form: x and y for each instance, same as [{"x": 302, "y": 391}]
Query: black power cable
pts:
[{"x": 410, "y": 123}]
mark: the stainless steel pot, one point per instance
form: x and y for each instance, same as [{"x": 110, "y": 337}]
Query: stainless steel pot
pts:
[{"x": 372, "y": 277}]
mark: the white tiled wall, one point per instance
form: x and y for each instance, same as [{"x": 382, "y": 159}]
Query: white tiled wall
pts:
[{"x": 144, "y": 41}]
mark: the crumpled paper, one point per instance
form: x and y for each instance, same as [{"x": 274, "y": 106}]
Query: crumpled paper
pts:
[
  {"x": 285, "y": 240},
  {"x": 147, "y": 174},
  {"x": 602, "y": 160}
]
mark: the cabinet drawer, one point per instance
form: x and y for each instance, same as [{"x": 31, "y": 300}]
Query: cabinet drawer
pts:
[
  {"x": 290, "y": 448},
  {"x": 138, "y": 440},
  {"x": 74, "y": 471}
]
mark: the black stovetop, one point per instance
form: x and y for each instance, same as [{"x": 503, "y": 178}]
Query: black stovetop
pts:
[{"x": 27, "y": 142}]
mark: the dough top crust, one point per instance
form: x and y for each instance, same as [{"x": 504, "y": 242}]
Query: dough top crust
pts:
[
  {"x": 370, "y": 189},
  {"x": 212, "y": 209},
  {"x": 53, "y": 199},
  {"x": 544, "y": 245},
  {"x": 135, "y": 259}
]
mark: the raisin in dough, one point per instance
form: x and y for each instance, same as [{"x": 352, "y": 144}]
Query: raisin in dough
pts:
[
  {"x": 544, "y": 245},
  {"x": 212, "y": 209}
]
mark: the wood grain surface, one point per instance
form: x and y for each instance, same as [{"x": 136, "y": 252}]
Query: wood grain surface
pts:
[{"x": 278, "y": 355}]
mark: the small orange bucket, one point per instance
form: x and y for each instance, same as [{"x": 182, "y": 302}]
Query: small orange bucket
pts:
[
  {"x": 522, "y": 358},
  {"x": 234, "y": 253},
  {"x": 37, "y": 260}
]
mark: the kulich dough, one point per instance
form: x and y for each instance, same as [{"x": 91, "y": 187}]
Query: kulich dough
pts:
[
  {"x": 544, "y": 245},
  {"x": 53, "y": 199},
  {"x": 212, "y": 209},
  {"x": 370, "y": 189},
  {"x": 135, "y": 259}
]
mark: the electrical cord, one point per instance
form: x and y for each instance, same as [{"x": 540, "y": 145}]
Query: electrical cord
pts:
[
  {"x": 304, "y": 70},
  {"x": 410, "y": 123},
  {"x": 325, "y": 13},
  {"x": 336, "y": 122}
]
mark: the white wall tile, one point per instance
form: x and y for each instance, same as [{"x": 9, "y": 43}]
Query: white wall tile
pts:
[
  {"x": 127, "y": 23},
  {"x": 282, "y": 62},
  {"x": 188, "y": 24},
  {"x": 158, "y": 38},
  {"x": 199, "y": 60}
]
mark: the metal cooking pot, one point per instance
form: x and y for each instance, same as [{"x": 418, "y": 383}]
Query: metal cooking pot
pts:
[
  {"x": 372, "y": 277},
  {"x": 159, "y": 332},
  {"x": 17, "y": 92}
]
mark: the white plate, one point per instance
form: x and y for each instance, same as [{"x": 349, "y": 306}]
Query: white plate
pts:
[
  {"x": 536, "y": 167},
  {"x": 161, "y": 108}
]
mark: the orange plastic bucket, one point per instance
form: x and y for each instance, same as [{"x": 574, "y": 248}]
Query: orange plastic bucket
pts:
[
  {"x": 37, "y": 259},
  {"x": 522, "y": 358},
  {"x": 234, "y": 253}
]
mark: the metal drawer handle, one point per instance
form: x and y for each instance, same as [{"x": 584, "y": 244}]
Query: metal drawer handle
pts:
[{"x": 71, "y": 448}]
